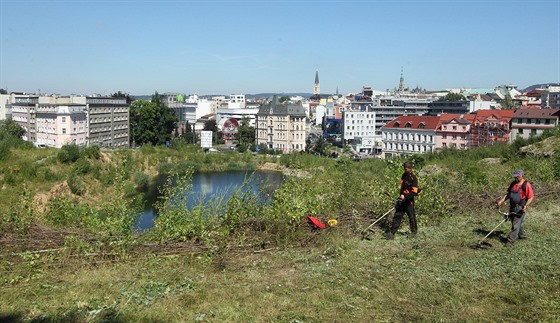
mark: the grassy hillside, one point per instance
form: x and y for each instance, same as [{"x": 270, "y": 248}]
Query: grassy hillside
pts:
[{"x": 68, "y": 253}]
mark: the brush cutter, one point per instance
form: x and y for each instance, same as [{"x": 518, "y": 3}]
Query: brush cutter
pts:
[
  {"x": 482, "y": 244},
  {"x": 369, "y": 228}
]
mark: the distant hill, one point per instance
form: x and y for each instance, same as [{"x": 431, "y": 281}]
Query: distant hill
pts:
[{"x": 538, "y": 86}]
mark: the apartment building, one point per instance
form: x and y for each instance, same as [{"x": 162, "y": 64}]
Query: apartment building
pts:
[
  {"x": 281, "y": 126},
  {"x": 550, "y": 97},
  {"x": 5, "y": 106},
  {"x": 409, "y": 135},
  {"x": 388, "y": 108},
  {"x": 359, "y": 131},
  {"x": 108, "y": 121},
  {"x": 533, "y": 122},
  {"x": 454, "y": 131},
  {"x": 59, "y": 120}
]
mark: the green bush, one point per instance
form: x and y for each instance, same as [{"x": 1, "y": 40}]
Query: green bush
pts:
[
  {"x": 189, "y": 164},
  {"x": 21, "y": 214},
  {"x": 68, "y": 153},
  {"x": 4, "y": 150},
  {"x": 166, "y": 168},
  {"x": 76, "y": 184},
  {"x": 92, "y": 152},
  {"x": 81, "y": 166},
  {"x": 141, "y": 179}
]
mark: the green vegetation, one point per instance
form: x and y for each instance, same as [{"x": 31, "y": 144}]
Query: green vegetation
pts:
[
  {"x": 151, "y": 122},
  {"x": 453, "y": 97},
  {"x": 69, "y": 252}
]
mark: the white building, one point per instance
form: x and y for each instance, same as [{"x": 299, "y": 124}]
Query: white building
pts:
[
  {"x": 359, "y": 131},
  {"x": 5, "y": 107},
  {"x": 409, "y": 135}
]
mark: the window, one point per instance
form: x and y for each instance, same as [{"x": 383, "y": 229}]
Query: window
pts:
[
  {"x": 444, "y": 136},
  {"x": 63, "y": 130}
]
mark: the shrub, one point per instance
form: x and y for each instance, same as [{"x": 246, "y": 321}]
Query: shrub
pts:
[
  {"x": 92, "y": 152},
  {"x": 81, "y": 166},
  {"x": 4, "y": 150},
  {"x": 141, "y": 179},
  {"x": 166, "y": 168},
  {"x": 68, "y": 153},
  {"x": 76, "y": 184}
]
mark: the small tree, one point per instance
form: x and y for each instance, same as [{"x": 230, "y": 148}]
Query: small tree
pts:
[
  {"x": 151, "y": 122},
  {"x": 453, "y": 97},
  {"x": 320, "y": 146},
  {"x": 189, "y": 135},
  {"x": 507, "y": 103},
  {"x": 9, "y": 127},
  {"x": 245, "y": 133},
  {"x": 210, "y": 125}
]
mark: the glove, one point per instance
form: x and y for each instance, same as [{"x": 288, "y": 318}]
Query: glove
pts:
[{"x": 398, "y": 204}]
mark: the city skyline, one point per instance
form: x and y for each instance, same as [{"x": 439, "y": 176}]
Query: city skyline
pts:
[{"x": 221, "y": 47}]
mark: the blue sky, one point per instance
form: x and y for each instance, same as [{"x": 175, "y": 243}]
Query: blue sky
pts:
[{"x": 223, "y": 47}]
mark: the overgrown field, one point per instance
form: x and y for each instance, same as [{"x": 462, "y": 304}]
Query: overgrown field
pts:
[{"x": 68, "y": 251}]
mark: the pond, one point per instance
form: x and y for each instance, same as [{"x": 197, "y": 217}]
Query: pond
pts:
[{"x": 212, "y": 185}]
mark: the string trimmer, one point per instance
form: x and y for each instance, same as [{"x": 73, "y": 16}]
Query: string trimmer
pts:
[
  {"x": 369, "y": 228},
  {"x": 482, "y": 244}
]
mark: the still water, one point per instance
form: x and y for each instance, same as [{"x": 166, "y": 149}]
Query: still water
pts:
[{"x": 212, "y": 185}]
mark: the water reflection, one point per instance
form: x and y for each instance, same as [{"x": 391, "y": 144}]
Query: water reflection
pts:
[{"x": 211, "y": 185}]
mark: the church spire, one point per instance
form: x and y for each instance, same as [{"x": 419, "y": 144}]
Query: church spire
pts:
[
  {"x": 316, "y": 87},
  {"x": 401, "y": 82}
]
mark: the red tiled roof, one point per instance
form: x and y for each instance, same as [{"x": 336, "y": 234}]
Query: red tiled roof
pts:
[
  {"x": 460, "y": 118},
  {"x": 429, "y": 122},
  {"x": 537, "y": 113},
  {"x": 505, "y": 115}
]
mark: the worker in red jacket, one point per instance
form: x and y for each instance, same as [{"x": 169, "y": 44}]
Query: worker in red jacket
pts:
[{"x": 520, "y": 195}]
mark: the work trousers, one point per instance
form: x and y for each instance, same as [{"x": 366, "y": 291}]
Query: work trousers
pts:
[
  {"x": 407, "y": 208},
  {"x": 517, "y": 227}
]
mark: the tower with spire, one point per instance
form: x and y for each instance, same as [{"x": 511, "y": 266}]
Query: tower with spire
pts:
[
  {"x": 316, "y": 86},
  {"x": 401, "y": 82}
]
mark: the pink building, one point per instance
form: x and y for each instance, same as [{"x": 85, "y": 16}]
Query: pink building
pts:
[{"x": 453, "y": 131}]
